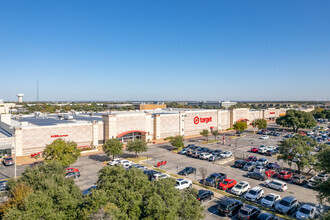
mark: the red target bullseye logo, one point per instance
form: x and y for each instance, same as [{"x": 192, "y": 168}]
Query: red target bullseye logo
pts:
[{"x": 196, "y": 120}]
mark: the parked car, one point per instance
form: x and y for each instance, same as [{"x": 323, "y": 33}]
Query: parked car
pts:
[
  {"x": 226, "y": 154},
  {"x": 138, "y": 166},
  {"x": 88, "y": 191},
  {"x": 195, "y": 154},
  {"x": 114, "y": 162},
  {"x": 285, "y": 175},
  {"x": 217, "y": 152},
  {"x": 240, "y": 188},
  {"x": 251, "y": 158},
  {"x": 3, "y": 185},
  {"x": 254, "y": 194},
  {"x": 262, "y": 150},
  {"x": 306, "y": 212},
  {"x": 183, "y": 184},
  {"x": 270, "y": 200},
  {"x": 8, "y": 161},
  {"x": 188, "y": 170},
  {"x": 229, "y": 206},
  {"x": 204, "y": 195},
  {"x": 322, "y": 176},
  {"x": 312, "y": 182},
  {"x": 254, "y": 150},
  {"x": 214, "y": 179},
  {"x": 214, "y": 157},
  {"x": 271, "y": 152},
  {"x": 276, "y": 184},
  {"x": 240, "y": 163},
  {"x": 264, "y": 137},
  {"x": 299, "y": 179},
  {"x": 260, "y": 169},
  {"x": 270, "y": 173},
  {"x": 71, "y": 169},
  {"x": 287, "y": 205},
  {"x": 248, "y": 212},
  {"x": 150, "y": 173},
  {"x": 272, "y": 166},
  {"x": 72, "y": 175},
  {"x": 183, "y": 151},
  {"x": 249, "y": 166},
  {"x": 205, "y": 156},
  {"x": 257, "y": 175},
  {"x": 227, "y": 184},
  {"x": 262, "y": 161},
  {"x": 266, "y": 216},
  {"x": 159, "y": 176}
]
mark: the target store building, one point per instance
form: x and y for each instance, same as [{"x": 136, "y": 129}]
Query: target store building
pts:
[{"x": 31, "y": 133}]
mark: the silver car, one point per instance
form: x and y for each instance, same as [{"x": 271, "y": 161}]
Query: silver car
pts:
[
  {"x": 306, "y": 212},
  {"x": 287, "y": 205},
  {"x": 270, "y": 200}
]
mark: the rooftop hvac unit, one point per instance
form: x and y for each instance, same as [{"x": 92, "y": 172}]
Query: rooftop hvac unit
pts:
[{"x": 68, "y": 117}]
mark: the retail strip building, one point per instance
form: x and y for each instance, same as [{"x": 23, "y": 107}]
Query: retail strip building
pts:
[{"x": 31, "y": 133}]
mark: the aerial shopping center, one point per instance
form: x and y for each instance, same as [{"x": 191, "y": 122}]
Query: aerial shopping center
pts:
[{"x": 31, "y": 133}]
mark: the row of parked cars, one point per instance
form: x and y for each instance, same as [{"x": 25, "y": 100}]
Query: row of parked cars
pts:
[
  {"x": 265, "y": 150},
  {"x": 205, "y": 153}
]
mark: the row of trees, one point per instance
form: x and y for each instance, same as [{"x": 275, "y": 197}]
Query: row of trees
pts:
[
  {"x": 321, "y": 113},
  {"x": 113, "y": 147},
  {"x": 44, "y": 193}
]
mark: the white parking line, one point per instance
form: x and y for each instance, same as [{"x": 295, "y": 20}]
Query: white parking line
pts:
[{"x": 208, "y": 201}]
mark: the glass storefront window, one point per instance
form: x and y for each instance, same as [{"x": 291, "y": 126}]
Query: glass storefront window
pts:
[{"x": 5, "y": 153}]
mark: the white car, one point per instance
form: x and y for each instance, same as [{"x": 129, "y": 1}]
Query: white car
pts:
[
  {"x": 159, "y": 176},
  {"x": 259, "y": 169},
  {"x": 240, "y": 188},
  {"x": 271, "y": 148},
  {"x": 306, "y": 212},
  {"x": 310, "y": 133},
  {"x": 183, "y": 184},
  {"x": 276, "y": 184},
  {"x": 270, "y": 200},
  {"x": 264, "y": 137},
  {"x": 254, "y": 194},
  {"x": 205, "y": 156},
  {"x": 226, "y": 154},
  {"x": 114, "y": 162}
]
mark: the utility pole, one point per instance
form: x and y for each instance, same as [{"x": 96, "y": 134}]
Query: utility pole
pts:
[{"x": 37, "y": 90}]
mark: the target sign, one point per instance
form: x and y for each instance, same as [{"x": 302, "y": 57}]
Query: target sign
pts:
[{"x": 196, "y": 120}]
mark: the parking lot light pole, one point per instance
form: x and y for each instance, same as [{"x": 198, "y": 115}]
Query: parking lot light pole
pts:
[{"x": 15, "y": 167}]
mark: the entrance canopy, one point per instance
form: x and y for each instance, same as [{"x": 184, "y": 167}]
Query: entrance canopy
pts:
[{"x": 243, "y": 119}]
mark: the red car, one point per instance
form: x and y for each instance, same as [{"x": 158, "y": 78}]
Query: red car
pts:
[
  {"x": 254, "y": 150},
  {"x": 270, "y": 173},
  {"x": 227, "y": 184},
  {"x": 285, "y": 175},
  {"x": 252, "y": 158},
  {"x": 71, "y": 169}
]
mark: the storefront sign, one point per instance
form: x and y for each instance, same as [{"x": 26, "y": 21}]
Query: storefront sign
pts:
[
  {"x": 198, "y": 120},
  {"x": 57, "y": 136},
  {"x": 272, "y": 113},
  {"x": 5, "y": 142}
]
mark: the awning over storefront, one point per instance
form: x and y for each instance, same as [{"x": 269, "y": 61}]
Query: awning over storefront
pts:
[{"x": 131, "y": 131}]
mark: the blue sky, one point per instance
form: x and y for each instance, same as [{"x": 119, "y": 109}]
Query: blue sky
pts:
[{"x": 165, "y": 50}]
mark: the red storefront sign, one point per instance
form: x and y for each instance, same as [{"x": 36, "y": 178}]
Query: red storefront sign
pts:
[
  {"x": 57, "y": 136},
  {"x": 198, "y": 120},
  {"x": 272, "y": 113}
]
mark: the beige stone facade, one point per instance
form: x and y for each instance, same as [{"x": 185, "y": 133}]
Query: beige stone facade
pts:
[{"x": 147, "y": 125}]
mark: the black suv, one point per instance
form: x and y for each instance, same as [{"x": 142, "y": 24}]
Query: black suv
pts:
[
  {"x": 229, "y": 207},
  {"x": 204, "y": 195},
  {"x": 214, "y": 179},
  {"x": 150, "y": 173},
  {"x": 186, "y": 171},
  {"x": 257, "y": 175},
  {"x": 240, "y": 163},
  {"x": 248, "y": 212}
]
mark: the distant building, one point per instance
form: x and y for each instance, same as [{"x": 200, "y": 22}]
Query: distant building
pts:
[
  {"x": 149, "y": 106},
  {"x": 5, "y": 107},
  {"x": 227, "y": 104}
]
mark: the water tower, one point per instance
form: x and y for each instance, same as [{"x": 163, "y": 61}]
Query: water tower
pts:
[{"x": 20, "y": 97}]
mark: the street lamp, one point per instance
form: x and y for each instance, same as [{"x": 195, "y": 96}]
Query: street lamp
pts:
[{"x": 14, "y": 149}]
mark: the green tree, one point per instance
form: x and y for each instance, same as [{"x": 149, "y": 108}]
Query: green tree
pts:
[
  {"x": 323, "y": 165},
  {"x": 259, "y": 123},
  {"x": 132, "y": 196},
  {"x": 44, "y": 194},
  {"x": 137, "y": 146},
  {"x": 215, "y": 134},
  {"x": 113, "y": 147},
  {"x": 65, "y": 152},
  {"x": 296, "y": 119},
  {"x": 298, "y": 150},
  {"x": 205, "y": 133},
  {"x": 240, "y": 126},
  {"x": 177, "y": 142}
]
